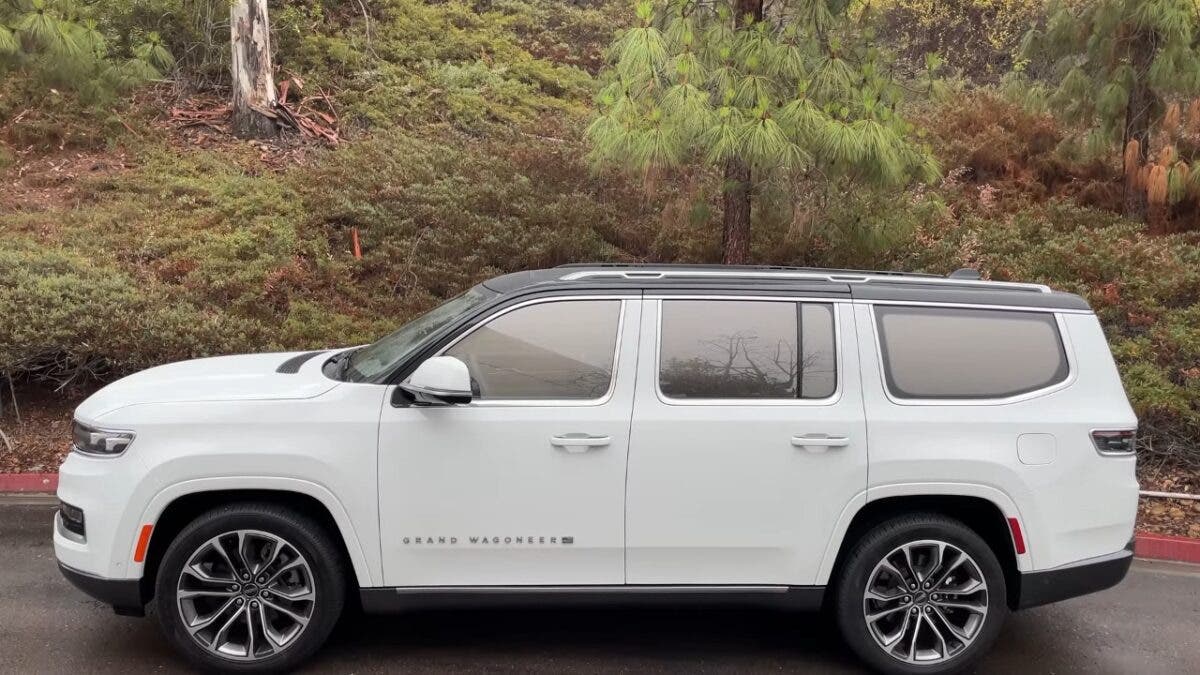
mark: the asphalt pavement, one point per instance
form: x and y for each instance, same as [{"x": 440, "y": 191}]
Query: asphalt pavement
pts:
[{"x": 1148, "y": 624}]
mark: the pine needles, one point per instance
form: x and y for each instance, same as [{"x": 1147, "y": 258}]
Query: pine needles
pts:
[
  {"x": 692, "y": 83},
  {"x": 59, "y": 43}
]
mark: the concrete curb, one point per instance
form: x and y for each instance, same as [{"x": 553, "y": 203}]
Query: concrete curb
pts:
[
  {"x": 1164, "y": 547},
  {"x": 23, "y": 483},
  {"x": 1146, "y": 545}
]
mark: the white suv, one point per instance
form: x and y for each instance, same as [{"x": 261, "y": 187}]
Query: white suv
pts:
[{"x": 919, "y": 454}]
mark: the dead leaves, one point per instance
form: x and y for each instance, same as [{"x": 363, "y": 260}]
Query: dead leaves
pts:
[{"x": 204, "y": 121}]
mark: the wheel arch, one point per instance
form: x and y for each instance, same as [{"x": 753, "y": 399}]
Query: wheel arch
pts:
[
  {"x": 983, "y": 515},
  {"x": 173, "y": 508}
]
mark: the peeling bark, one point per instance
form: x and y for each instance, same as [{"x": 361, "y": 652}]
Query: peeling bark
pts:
[{"x": 253, "y": 81}]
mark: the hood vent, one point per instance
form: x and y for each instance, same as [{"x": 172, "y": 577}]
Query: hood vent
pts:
[{"x": 292, "y": 365}]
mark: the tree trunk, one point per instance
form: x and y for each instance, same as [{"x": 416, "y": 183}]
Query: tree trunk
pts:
[
  {"x": 736, "y": 238},
  {"x": 752, "y": 7},
  {"x": 253, "y": 81},
  {"x": 1139, "y": 114}
]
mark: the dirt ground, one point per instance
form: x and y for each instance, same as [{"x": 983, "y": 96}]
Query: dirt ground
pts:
[
  {"x": 42, "y": 438},
  {"x": 1180, "y": 517},
  {"x": 37, "y": 182},
  {"x": 39, "y": 441}
]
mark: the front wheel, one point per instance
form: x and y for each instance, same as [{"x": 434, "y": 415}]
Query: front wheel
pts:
[
  {"x": 250, "y": 588},
  {"x": 921, "y": 594}
]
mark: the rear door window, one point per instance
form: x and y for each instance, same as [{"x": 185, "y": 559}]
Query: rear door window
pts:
[
  {"x": 747, "y": 349},
  {"x": 953, "y": 353}
]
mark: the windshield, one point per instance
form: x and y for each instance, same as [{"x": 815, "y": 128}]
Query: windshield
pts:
[{"x": 380, "y": 356}]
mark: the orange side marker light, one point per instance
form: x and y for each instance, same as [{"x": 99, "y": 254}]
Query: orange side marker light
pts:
[{"x": 139, "y": 553}]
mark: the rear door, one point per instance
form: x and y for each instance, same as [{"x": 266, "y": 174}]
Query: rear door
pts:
[{"x": 747, "y": 442}]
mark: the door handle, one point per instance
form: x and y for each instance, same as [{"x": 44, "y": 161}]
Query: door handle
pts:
[
  {"x": 576, "y": 443},
  {"x": 815, "y": 443}
]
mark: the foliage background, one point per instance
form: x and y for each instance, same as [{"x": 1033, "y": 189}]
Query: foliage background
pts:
[{"x": 124, "y": 245}]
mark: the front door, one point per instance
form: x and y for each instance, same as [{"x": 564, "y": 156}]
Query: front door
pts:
[
  {"x": 748, "y": 440},
  {"x": 526, "y": 484}
]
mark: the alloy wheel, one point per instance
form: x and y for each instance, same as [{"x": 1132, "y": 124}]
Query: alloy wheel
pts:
[
  {"x": 246, "y": 595},
  {"x": 925, "y": 602}
]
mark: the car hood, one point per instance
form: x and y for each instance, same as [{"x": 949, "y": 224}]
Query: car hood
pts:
[{"x": 248, "y": 377}]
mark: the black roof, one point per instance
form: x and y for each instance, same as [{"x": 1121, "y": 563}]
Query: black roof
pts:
[{"x": 814, "y": 282}]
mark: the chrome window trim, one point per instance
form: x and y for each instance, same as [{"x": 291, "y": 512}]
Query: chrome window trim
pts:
[
  {"x": 550, "y": 402},
  {"x": 969, "y": 305},
  {"x": 1063, "y": 335},
  {"x": 759, "y": 402},
  {"x": 782, "y": 297}
]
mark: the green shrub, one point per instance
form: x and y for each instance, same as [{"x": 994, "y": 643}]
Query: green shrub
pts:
[
  {"x": 69, "y": 319},
  {"x": 411, "y": 62},
  {"x": 980, "y": 37},
  {"x": 190, "y": 255}
]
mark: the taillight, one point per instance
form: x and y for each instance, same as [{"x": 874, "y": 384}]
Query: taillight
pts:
[{"x": 1117, "y": 442}]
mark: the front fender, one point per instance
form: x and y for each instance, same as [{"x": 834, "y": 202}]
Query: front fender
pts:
[{"x": 366, "y": 570}]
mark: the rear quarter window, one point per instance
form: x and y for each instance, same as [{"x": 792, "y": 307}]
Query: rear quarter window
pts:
[{"x": 954, "y": 353}]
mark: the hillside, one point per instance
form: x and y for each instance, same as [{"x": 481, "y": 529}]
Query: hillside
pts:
[{"x": 139, "y": 231}]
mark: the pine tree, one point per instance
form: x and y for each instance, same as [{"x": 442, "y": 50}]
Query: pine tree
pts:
[
  {"x": 1119, "y": 66},
  {"x": 801, "y": 92},
  {"x": 56, "y": 41}
]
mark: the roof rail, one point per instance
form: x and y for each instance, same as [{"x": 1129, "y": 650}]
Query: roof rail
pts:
[
  {"x": 835, "y": 276},
  {"x": 738, "y": 268}
]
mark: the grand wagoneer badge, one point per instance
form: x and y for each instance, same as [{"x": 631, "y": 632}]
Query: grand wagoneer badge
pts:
[{"x": 487, "y": 541}]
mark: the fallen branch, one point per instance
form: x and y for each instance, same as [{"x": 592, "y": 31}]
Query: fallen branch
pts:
[
  {"x": 12, "y": 391},
  {"x": 1167, "y": 495}
]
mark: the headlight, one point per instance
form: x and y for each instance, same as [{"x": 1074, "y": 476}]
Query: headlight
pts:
[{"x": 104, "y": 442}]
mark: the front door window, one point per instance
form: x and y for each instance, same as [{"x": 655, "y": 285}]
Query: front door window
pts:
[{"x": 545, "y": 351}]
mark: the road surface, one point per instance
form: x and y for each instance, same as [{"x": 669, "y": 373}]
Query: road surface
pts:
[{"x": 1148, "y": 624}]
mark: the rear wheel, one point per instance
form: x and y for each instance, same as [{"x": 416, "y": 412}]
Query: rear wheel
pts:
[
  {"x": 921, "y": 594},
  {"x": 250, "y": 587}
]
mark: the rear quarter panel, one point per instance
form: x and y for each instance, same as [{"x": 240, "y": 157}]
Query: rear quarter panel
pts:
[{"x": 1077, "y": 505}]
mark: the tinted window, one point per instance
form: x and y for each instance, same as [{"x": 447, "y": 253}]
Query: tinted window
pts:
[
  {"x": 390, "y": 350},
  {"x": 551, "y": 350},
  {"x": 818, "y": 368},
  {"x": 713, "y": 349},
  {"x": 937, "y": 352}
]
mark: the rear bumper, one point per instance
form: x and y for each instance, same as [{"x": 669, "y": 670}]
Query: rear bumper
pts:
[
  {"x": 1075, "y": 579},
  {"x": 125, "y": 595}
]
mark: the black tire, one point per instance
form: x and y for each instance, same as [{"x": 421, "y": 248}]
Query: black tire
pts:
[
  {"x": 851, "y": 585},
  {"x": 308, "y": 537}
]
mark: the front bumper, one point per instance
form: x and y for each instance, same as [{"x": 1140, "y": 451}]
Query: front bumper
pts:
[
  {"x": 103, "y": 488},
  {"x": 1075, "y": 579},
  {"x": 125, "y": 595}
]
